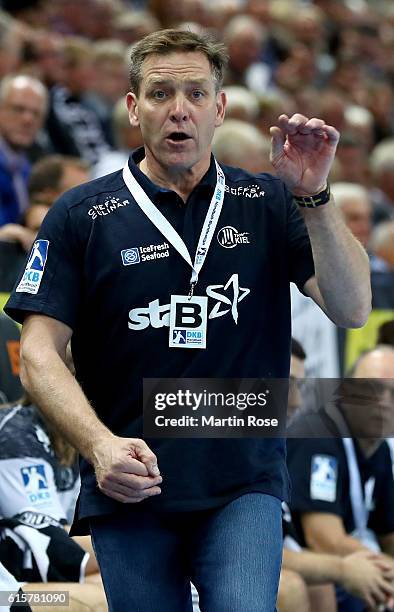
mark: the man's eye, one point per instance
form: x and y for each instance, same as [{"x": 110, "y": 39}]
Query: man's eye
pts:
[
  {"x": 159, "y": 94},
  {"x": 197, "y": 94}
]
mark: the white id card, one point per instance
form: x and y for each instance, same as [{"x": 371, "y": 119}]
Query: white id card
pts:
[{"x": 188, "y": 321}]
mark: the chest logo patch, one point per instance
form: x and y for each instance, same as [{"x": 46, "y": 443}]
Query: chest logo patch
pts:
[
  {"x": 136, "y": 255},
  {"x": 229, "y": 237},
  {"x": 324, "y": 476},
  {"x": 106, "y": 208}
]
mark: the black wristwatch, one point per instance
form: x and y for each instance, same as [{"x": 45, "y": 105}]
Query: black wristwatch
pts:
[{"x": 313, "y": 201}]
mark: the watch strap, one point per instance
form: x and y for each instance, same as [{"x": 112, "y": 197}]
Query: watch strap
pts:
[{"x": 315, "y": 200}]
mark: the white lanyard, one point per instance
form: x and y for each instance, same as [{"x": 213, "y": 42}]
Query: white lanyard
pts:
[
  {"x": 165, "y": 227},
  {"x": 360, "y": 514},
  {"x": 359, "y": 510}
]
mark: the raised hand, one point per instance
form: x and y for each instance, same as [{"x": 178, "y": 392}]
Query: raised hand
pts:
[{"x": 302, "y": 152}]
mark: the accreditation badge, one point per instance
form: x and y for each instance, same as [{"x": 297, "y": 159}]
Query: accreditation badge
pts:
[{"x": 188, "y": 321}]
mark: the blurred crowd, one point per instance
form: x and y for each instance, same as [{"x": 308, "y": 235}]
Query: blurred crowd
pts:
[
  {"x": 63, "y": 121},
  {"x": 64, "y": 74}
]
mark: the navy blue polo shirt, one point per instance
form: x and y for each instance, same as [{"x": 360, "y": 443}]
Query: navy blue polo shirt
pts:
[
  {"x": 320, "y": 481},
  {"x": 109, "y": 274}
]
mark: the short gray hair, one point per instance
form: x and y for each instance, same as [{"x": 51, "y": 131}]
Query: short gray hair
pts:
[
  {"x": 382, "y": 235},
  {"x": 382, "y": 156},
  {"x": 238, "y": 24},
  {"x": 22, "y": 81},
  {"x": 343, "y": 191},
  {"x": 235, "y": 138}
]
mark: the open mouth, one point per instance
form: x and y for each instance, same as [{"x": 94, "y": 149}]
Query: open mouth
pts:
[{"x": 178, "y": 137}]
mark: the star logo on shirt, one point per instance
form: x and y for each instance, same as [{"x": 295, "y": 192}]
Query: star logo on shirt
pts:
[{"x": 228, "y": 297}]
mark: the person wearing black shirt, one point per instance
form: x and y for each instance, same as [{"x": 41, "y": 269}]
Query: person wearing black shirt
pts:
[
  {"x": 341, "y": 471},
  {"x": 111, "y": 264}
]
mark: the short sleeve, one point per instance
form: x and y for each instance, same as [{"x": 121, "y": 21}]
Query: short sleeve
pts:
[
  {"x": 301, "y": 265},
  {"x": 51, "y": 280},
  {"x": 316, "y": 475}
]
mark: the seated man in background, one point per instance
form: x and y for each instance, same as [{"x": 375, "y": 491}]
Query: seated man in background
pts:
[
  {"x": 50, "y": 177},
  {"x": 343, "y": 451},
  {"x": 307, "y": 577},
  {"x": 297, "y": 376}
]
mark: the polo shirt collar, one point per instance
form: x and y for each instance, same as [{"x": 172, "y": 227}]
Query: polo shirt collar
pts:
[{"x": 157, "y": 193}]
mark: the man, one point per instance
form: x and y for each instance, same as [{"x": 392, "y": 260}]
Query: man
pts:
[
  {"x": 217, "y": 518},
  {"x": 382, "y": 247},
  {"x": 297, "y": 375},
  {"x": 252, "y": 151},
  {"x": 49, "y": 178},
  {"x": 355, "y": 204},
  {"x": 23, "y": 105},
  {"x": 343, "y": 488},
  {"x": 307, "y": 577},
  {"x": 382, "y": 169},
  {"x": 73, "y": 127}
]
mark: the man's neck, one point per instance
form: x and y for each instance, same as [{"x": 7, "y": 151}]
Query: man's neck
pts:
[
  {"x": 180, "y": 180},
  {"x": 369, "y": 445}
]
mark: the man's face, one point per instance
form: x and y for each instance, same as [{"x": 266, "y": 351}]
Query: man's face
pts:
[
  {"x": 72, "y": 176},
  {"x": 368, "y": 401},
  {"x": 297, "y": 375},
  {"x": 177, "y": 109},
  {"x": 22, "y": 114}
]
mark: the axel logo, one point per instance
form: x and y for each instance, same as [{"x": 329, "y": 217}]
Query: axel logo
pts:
[
  {"x": 226, "y": 299},
  {"x": 228, "y": 237}
]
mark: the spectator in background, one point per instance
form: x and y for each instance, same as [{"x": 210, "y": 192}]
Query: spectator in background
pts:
[
  {"x": 241, "y": 103},
  {"x": 44, "y": 57},
  {"x": 73, "y": 128},
  {"x": 10, "y": 46},
  {"x": 343, "y": 451},
  {"x": 332, "y": 108},
  {"x": 271, "y": 105},
  {"x": 23, "y": 105},
  {"x": 382, "y": 168},
  {"x": 34, "y": 459},
  {"x": 131, "y": 26},
  {"x": 381, "y": 247},
  {"x": 252, "y": 151},
  {"x": 351, "y": 164},
  {"x": 380, "y": 102},
  {"x": 54, "y": 175},
  {"x": 126, "y": 139},
  {"x": 297, "y": 375},
  {"x": 355, "y": 204},
  {"x": 359, "y": 122},
  {"x": 110, "y": 69},
  {"x": 307, "y": 577},
  {"x": 245, "y": 38},
  {"x": 49, "y": 178}
]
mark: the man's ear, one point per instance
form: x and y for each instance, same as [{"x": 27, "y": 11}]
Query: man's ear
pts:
[
  {"x": 132, "y": 105},
  {"x": 221, "y": 102}
]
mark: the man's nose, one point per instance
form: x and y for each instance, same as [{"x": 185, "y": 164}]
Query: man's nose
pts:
[{"x": 179, "y": 109}]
